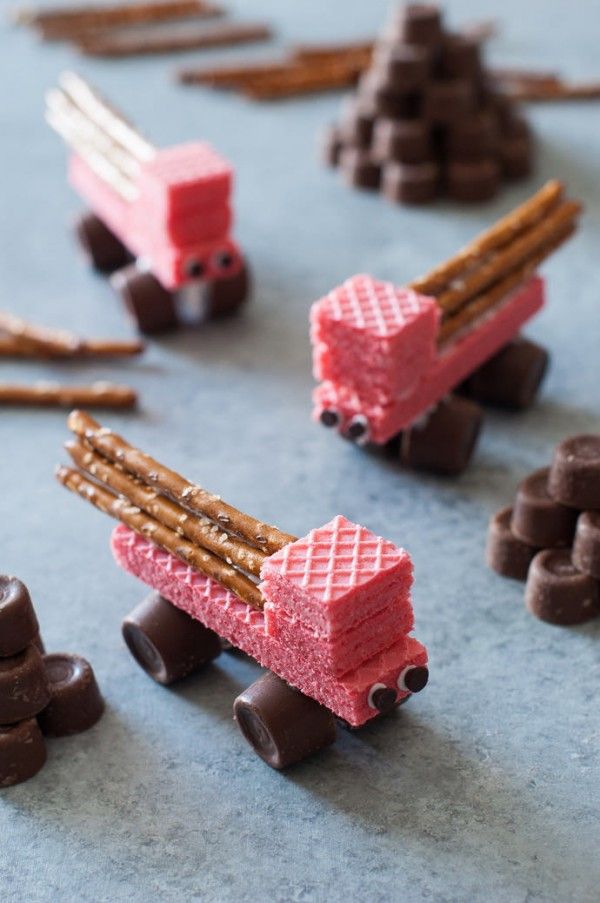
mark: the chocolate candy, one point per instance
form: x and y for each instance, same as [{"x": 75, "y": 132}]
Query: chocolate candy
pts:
[
  {"x": 511, "y": 379},
  {"x": 151, "y": 306},
  {"x": 516, "y": 156},
  {"x": 356, "y": 126},
  {"x": 410, "y": 183},
  {"x": 22, "y": 752},
  {"x": 575, "y": 472},
  {"x": 586, "y": 548},
  {"x": 103, "y": 249},
  {"x": 472, "y": 137},
  {"x": 460, "y": 57},
  {"x": 359, "y": 169},
  {"x": 403, "y": 67},
  {"x": 557, "y": 592},
  {"x": 473, "y": 181},
  {"x": 404, "y": 141},
  {"x": 416, "y": 23},
  {"x": 330, "y": 146},
  {"x": 537, "y": 519},
  {"x": 75, "y": 701},
  {"x": 18, "y": 623},
  {"x": 166, "y": 642},
  {"x": 505, "y": 553},
  {"x": 224, "y": 296},
  {"x": 446, "y": 101},
  {"x": 23, "y": 686},
  {"x": 387, "y": 101},
  {"x": 445, "y": 440},
  {"x": 282, "y": 724}
]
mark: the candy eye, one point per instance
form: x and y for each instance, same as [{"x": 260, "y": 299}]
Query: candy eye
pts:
[
  {"x": 381, "y": 698},
  {"x": 194, "y": 268},
  {"x": 358, "y": 429},
  {"x": 413, "y": 679},
  {"x": 223, "y": 260},
  {"x": 329, "y": 417}
]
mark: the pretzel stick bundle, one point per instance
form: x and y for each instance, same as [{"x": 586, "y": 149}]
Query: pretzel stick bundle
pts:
[{"x": 49, "y": 394}]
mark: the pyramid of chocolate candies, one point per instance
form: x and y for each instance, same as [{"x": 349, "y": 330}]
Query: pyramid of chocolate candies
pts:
[
  {"x": 53, "y": 695},
  {"x": 551, "y": 536},
  {"x": 426, "y": 119}
]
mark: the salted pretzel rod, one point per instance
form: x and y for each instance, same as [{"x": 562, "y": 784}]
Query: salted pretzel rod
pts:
[
  {"x": 355, "y": 51},
  {"x": 509, "y": 257},
  {"x": 499, "y": 291},
  {"x": 191, "y": 496},
  {"x": 50, "y": 394},
  {"x": 228, "y": 76},
  {"x": 500, "y": 234},
  {"x": 40, "y": 341},
  {"x": 301, "y": 79},
  {"x": 161, "y": 40},
  {"x": 560, "y": 91},
  {"x": 130, "y": 515},
  {"x": 54, "y": 19},
  {"x": 199, "y": 530}
]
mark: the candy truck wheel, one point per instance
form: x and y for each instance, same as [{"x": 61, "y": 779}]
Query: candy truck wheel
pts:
[
  {"x": 149, "y": 303},
  {"x": 166, "y": 642},
  {"x": 103, "y": 249},
  {"x": 282, "y": 724},
  {"x": 444, "y": 443},
  {"x": 225, "y": 296},
  {"x": 512, "y": 378}
]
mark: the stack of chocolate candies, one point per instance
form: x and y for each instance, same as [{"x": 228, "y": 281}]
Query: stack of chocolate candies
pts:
[
  {"x": 551, "y": 536},
  {"x": 426, "y": 119},
  {"x": 40, "y": 694}
]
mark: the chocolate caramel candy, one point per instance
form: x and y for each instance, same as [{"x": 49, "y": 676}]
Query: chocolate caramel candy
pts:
[
  {"x": 516, "y": 156},
  {"x": 505, "y": 553},
  {"x": 586, "y": 548},
  {"x": 473, "y": 181},
  {"x": 444, "y": 441},
  {"x": 415, "y": 23},
  {"x": 330, "y": 146},
  {"x": 557, "y": 592},
  {"x": 471, "y": 138},
  {"x": 105, "y": 252},
  {"x": 359, "y": 169},
  {"x": 575, "y": 472},
  {"x": 403, "y": 140},
  {"x": 410, "y": 183},
  {"x": 460, "y": 57},
  {"x": 22, "y": 752},
  {"x": 402, "y": 67},
  {"x": 511, "y": 378},
  {"x": 356, "y": 124},
  {"x": 24, "y": 687},
  {"x": 75, "y": 701},
  {"x": 150, "y": 305},
  {"x": 18, "y": 623},
  {"x": 446, "y": 101},
  {"x": 539, "y": 520}
]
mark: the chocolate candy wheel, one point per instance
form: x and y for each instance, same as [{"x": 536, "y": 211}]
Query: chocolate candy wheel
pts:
[
  {"x": 402, "y": 67},
  {"x": 22, "y": 752},
  {"x": 415, "y": 183},
  {"x": 537, "y": 519},
  {"x": 103, "y": 249},
  {"x": 516, "y": 156},
  {"x": 445, "y": 441},
  {"x": 24, "y": 687},
  {"x": 575, "y": 472},
  {"x": 416, "y": 23},
  {"x": 472, "y": 138},
  {"x": 359, "y": 169},
  {"x": 505, "y": 553},
  {"x": 75, "y": 701},
  {"x": 586, "y": 548},
  {"x": 472, "y": 181},
  {"x": 460, "y": 57},
  {"x": 356, "y": 126},
  {"x": 18, "y": 623},
  {"x": 225, "y": 296},
  {"x": 150, "y": 305},
  {"x": 557, "y": 592},
  {"x": 166, "y": 642},
  {"x": 448, "y": 100},
  {"x": 404, "y": 141},
  {"x": 282, "y": 724},
  {"x": 512, "y": 378}
]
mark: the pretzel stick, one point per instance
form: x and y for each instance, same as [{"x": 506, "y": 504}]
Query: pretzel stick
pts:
[
  {"x": 498, "y": 292},
  {"x": 508, "y": 258},
  {"x": 561, "y": 91},
  {"x": 230, "y": 76},
  {"x": 106, "y": 15},
  {"x": 74, "y": 28},
  {"x": 190, "y": 496},
  {"x": 162, "y": 536},
  {"x": 52, "y": 341},
  {"x": 12, "y": 346},
  {"x": 524, "y": 76},
  {"x": 201, "y": 531},
  {"x": 47, "y": 394},
  {"x": 166, "y": 41},
  {"x": 355, "y": 50},
  {"x": 500, "y": 234},
  {"x": 301, "y": 79}
]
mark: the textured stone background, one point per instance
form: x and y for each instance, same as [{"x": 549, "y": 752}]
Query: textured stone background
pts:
[{"x": 485, "y": 787}]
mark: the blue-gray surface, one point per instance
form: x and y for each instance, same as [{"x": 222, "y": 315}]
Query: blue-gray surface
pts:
[{"x": 486, "y": 786}]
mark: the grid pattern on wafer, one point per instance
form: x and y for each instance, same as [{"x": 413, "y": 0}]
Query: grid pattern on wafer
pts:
[{"x": 367, "y": 304}]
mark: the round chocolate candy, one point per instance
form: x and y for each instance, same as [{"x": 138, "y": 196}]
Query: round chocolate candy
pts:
[
  {"x": 415, "y": 23},
  {"x": 359, "y": 169},
  {"x": 386, "y": 101},
  {"x": 557, "y": 592},
  {"x": 471, "y": 138},
  {"x": 75, "y": 700},
  {"x": 104, "y": 250},
  {"x": 575, "y": 472},
  {"x": 404, "y": 141},
  {"x": 282, "y": 724},
  {"x": 516, "y": 156},
  {"x": 23, "y": 686},
  {"x": 150, "y": 305},
  {"x": 537, "y": 518},
  {"x": 447, "y": 101},
  {"x": 402, "y": 67},
  {"x": 444, "y": 441},
  {"x": 224, "y": 296},
  {"x": 166, "y": 642},
  {"x": 460, "y": 57},
  {"x": 356, "y": 124},
  {"x": 330, "y": 146},
  {"x": 410, "y": 183},
  {"x": 586, "y": 548},
  {"x": 473, "y": 181},
  {"x": 22, "y": 752},
  {"x": 505, "y": 553},
  {"x": 18, "y": 623},
  {"x": 511, "y": 379}
]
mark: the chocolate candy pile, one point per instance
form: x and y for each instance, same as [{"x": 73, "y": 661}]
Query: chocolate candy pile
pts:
[
  {"x": 40, "y": 694},
  {"x": 427, "y": 119},
  {"x": 551, "y": 536}
]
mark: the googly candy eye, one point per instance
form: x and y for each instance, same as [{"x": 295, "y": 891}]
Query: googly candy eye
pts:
[
  {"x": 358, "y": 429},
  {"x": 413, "y": 678},
  {"x": 194, "y": 268},
  {"x": 381, "y": 698},
  {"x": 329, "y": 417}
]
